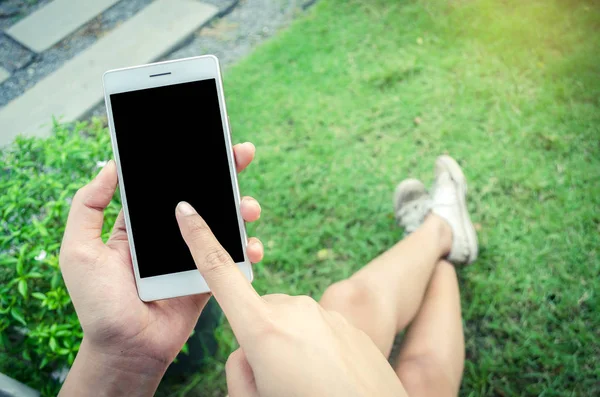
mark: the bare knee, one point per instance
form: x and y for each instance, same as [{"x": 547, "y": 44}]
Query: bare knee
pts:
[
  {"x": 364, "y": 307},
  {"x": 349, "y": 295},
  {"x": 426, "y": 376}
]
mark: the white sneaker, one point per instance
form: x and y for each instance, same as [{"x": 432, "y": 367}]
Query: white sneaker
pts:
[
  {"x": 449, "y": 202},
  {"x": 411, "y": 204}
]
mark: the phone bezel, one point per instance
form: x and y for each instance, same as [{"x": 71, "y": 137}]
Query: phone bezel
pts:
[{"x": 158, "y": 75}]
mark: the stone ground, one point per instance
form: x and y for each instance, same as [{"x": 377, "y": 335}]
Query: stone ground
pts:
[
  {"x": 239, "y": 27},
  {"x": 27, "y": 68}
]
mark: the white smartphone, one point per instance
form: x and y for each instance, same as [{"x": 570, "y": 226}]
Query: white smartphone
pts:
[{"x": 171, "y": 142}]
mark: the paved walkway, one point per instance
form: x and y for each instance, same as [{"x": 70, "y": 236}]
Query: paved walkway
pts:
[{"x": 153, "y": 30}]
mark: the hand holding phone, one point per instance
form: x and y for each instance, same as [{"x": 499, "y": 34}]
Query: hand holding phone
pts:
[
  {"x": 127, "y": 343},
  {"x": 289, "y": 346},
  {"x": 171, "y": 140}
]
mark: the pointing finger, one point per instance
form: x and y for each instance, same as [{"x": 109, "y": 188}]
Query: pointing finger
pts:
[{"x": 236, "y": 296}]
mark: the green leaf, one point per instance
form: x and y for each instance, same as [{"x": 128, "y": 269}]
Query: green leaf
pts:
[
  {"x": 23, "y": 250},
  {"x": 63, "y": 351},
  {"x": 8, "y": 260},
  {"x": 19, "y": 268},
  {"x": 9, "y": 209},
  {"x": 53, "y": 345},
  {"x": 53, "y": 247},
  {"x": 38, "y": 295},
  {"x": 22, "y": 287},
  {"x": 18, "y": 315},
  {"x": 55, "y": 280},
  {"x": 44, "y": 362},
  {"x": 40, "y": 228}
]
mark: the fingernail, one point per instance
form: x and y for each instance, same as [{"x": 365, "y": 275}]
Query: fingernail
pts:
[
  {"x": 104, "y": 167},
  {"x": 249, "y": 144},
  {"x": 252, "y": 202},
  {"x": 186, "y": 209},
  {"x": 109, "y": 164}
]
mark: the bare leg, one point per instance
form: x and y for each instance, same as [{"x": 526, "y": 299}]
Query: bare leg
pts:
[
  {"x": 411, "y": 284},
  {"x": 384, "y": 296},
  {"x": 432, "y": 355}
]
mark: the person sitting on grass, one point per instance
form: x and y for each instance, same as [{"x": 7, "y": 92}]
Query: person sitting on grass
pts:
[{"x": 289, "y": 346}]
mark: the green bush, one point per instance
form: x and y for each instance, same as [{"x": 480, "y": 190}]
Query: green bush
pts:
[{"x": 39, "y": 330}]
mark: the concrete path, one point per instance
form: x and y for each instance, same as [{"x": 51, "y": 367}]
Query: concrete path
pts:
[
  {"x": 74, "y": 89},
  {"x": 64, "y": 80},
  {"x": 4, "y": 74},
  {"x": 49, "y": 25}
]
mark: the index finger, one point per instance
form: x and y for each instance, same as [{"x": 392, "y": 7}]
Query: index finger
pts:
[{"x": 242, "y": 306}]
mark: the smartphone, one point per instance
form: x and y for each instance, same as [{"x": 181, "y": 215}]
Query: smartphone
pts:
[{"x": 171, "y": 142}]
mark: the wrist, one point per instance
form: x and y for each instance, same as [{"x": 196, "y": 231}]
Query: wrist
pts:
[{"x": 97, "y": 373}]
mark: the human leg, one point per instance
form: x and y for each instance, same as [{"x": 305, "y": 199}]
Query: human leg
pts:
[
  {"x": 377, "y": 299},
  {"x": 384, "y": 296},
  {"x": 431, "y": 358}
]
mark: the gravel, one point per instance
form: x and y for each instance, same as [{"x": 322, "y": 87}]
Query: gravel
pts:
[
  {"x": 47, "y": 62},
  {"x": 233, "y": 36},
  {"x": 237, "y": 33},
  {"x": 244, "y": 24},
  {"x": 11, "y": 11},
  {"x": 14, "y": 56}
]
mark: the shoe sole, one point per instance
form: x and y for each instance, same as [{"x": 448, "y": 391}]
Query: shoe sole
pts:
[{"x": 457, "y": 174}]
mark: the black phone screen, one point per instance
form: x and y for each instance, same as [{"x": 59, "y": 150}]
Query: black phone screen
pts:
[{"x": 172, "y": 148}]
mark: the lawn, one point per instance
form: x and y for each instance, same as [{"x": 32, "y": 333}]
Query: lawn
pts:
[
  {"x": 358, "y": 95},
  {"x": 352, "y": 98}
]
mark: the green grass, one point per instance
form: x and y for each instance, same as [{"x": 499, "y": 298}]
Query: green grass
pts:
[{"x": 512, "y": 90}]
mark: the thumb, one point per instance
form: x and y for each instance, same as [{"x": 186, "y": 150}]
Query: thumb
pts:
[
  {"x": 87, "y": 210},
  {"x": 240, "y": 378}
]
